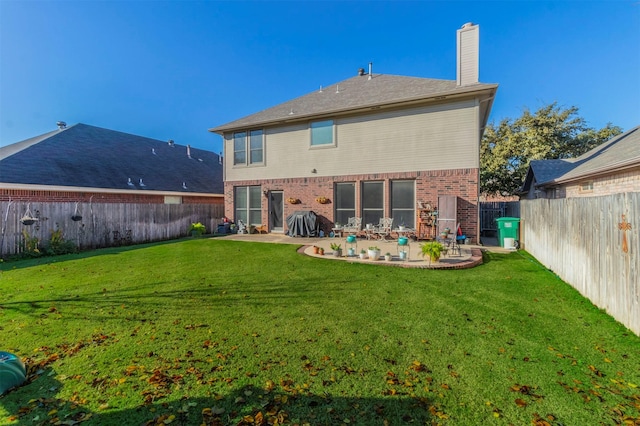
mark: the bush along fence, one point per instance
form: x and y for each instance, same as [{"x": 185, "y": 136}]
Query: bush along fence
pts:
[
  {"x": 593, "y": 244},
  {"x": 62, "y": 227}
]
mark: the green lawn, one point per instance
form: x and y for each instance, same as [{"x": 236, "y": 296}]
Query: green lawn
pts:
[{"x": 208, "y": 331}]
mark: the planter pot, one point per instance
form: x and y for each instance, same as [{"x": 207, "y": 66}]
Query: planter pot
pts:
[
  {"x": 351, "y": 239},
  {"x": 387, "y": 257},
  {"x": 403, "y": 241},
  {"x": 28, "y": 221},
  {"x": 12, "y": 371},
  {"x": 363, "y": 256},
  {"x": 434, "y": 258},
  {"x": 337, "y": 253},
  {"x": 373, "y": 254},
  {"x": 316, "y": 249},
  {"x": 403, "y": 255},
  {"x": 351, "y": 252}
]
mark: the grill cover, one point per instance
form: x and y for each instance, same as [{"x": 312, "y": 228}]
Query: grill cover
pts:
[{"x": 301, "y": 223}]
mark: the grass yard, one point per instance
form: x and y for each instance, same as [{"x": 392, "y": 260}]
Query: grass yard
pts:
[{"x": 208, "y": 331}]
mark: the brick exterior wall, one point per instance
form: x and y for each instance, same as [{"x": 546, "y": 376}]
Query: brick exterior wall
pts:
[
  {"x": 463, "y": 183},
  {"x": 98, "y": 197},
  {"x": 618, "y": 183}
]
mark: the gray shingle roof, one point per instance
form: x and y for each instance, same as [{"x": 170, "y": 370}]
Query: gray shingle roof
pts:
[
  {"x": 619, "y": 152},
  {"x": 548, "y": 170},
  {"x": 353, "y": 94},
  {"x": 93, "y": 157}
]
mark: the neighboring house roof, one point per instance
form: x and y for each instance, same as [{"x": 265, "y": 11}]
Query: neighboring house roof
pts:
[
  {"x": 618, "y": 153},
  {"x": 93, "y": 157},
  {"x": 361, "y": 93}
]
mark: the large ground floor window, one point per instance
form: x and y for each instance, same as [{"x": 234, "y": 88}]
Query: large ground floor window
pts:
[
  {"x": 345, "y": 202},
  {"x": 403, "y": 203},
  {"x": 248, "y": 207},
  {"x": 372, "y": 202}
]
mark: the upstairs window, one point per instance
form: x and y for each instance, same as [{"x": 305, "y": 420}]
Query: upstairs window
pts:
[
  {"x": 322, "y": 133},
  {"x": 251, "y": 143}
]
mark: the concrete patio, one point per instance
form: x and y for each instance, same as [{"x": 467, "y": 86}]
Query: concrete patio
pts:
[{"x": 470, "y": 255}]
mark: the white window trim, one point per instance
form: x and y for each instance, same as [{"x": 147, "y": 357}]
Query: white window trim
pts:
[
  {"x": 247, "y": 146},
  {"x": 334, "y": 135}
]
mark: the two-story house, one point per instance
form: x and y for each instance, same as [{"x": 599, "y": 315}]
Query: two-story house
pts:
[{"x": 373, "y": 146}]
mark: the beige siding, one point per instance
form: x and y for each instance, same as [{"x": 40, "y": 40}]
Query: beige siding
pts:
[
  {"x": 422, "y": 138},
  {"x": 468, "y": 55}
]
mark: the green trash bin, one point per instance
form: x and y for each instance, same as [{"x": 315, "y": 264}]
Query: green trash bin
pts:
[{"x": 508, "y": 232}]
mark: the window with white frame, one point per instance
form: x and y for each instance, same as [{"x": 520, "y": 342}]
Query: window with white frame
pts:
[
  {"x": 586, "y": 186},
  {"x": 345, "y": 202},
  {"x": 372, "y": 202},
  {"x": 248, "y": 148},
  {"x": 248, "y": 205},
  {"x": 403, "y": 202},
  {"x": 322, "y": 133}
]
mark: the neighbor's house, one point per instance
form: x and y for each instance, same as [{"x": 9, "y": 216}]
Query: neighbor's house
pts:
[
  {"x": 374, "y": 145},
  {"x": 82, "y": 163},
  {"x": 610, "y": 168}
]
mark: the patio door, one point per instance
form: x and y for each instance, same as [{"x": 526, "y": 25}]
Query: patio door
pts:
[{"x": 276, "y": 211}]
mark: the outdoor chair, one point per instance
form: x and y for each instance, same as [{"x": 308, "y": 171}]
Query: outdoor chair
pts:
[
  {"x": 353, "y": 226},
  {"x": 384, "y": 228}
]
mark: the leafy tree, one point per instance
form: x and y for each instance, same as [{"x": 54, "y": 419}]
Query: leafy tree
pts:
[{"x": 551, "y": 132}]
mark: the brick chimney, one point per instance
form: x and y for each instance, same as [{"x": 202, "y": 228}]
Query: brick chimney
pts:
[{"x": 468, "y": 54}]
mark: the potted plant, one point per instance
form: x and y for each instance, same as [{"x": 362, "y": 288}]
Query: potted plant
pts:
[
  {"x": 316, "y": 249},
  {"x": 432, "y": 249},
  {"x": 373, "y": 253},
  {"x": 196, "y": 229},
  {"x": 351, "y": 252},
  {"x": 337, "y": 249},
  {"x": 320, "y": 251},
  {"x": 402, "y": 254},
  {"x": 387, "y": 256},
  {"x": 363, "y": 254}
]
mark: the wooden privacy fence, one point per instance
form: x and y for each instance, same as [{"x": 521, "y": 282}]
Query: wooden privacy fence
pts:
[
  {"x": 102, "y": 225},
  {"x": 593, "y": 244}
]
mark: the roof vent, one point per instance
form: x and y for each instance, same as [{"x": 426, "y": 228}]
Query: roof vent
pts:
[
  {"x": 360, "y": 72},
  {"x": 189, "y": 151},
  {"x": 141, "y": 183},
  {"x": 129, "y": 182},
  {"x": 370, "y": 70},
  {"x": 171, "y": 143},
  {"x": 153, "y": 151},
  {"x": 220, "y": 158},
  {"x": 61, "y": 125},
  {"x": 184, "y": 185}
]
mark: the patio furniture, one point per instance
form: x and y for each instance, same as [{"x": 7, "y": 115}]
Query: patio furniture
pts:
[
  {"x": 353, "y": 225},
  {"x": 384, "y": 228}
]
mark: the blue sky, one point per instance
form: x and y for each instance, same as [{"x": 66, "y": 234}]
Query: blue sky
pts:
[{"x": 174, "y": 69}]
